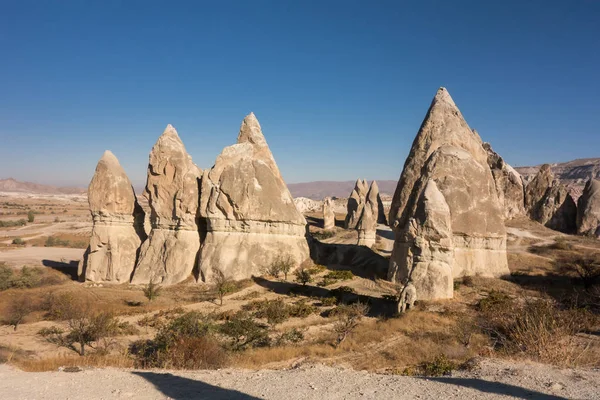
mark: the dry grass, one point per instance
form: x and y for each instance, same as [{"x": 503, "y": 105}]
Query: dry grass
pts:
[
  {"x": 61, "y": 240},
  {"x": 54, "y": 363}
]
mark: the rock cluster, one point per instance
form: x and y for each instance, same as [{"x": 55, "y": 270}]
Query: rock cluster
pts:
[
  {"x": 117, "y": 230},
  {"x": 548, "y": 202},
  {"x": 249, "y": 217},
  {"x": 237, "y": 216},
  {"x": 356, "y": 203},
  {"x": 446, "y": 215},
  {"x": 328, "y": 214},
  {"x": 588, "y": 209}
]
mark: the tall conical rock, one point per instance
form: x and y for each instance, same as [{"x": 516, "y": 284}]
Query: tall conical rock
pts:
[
  {"x": 588, "y": 209},
  {"x": 248, "y": 215},
  {"x": 549, "y": 202},
  {"x": 509, "y": 184},
  {"x": 328, "y": 214},
  {"x": 447, "y": 153},
  {"x": 356, "y": 203},
  {"x": 117, "y": 230},
  {"x": 367, "y": 223},
  {"x": 169, "y": 254}
]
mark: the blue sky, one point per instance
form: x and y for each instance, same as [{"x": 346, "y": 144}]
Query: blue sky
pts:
[{"x": 340, "y": 87}]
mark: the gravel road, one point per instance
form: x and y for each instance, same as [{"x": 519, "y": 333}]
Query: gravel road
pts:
[{"x": 493, "y": 379}]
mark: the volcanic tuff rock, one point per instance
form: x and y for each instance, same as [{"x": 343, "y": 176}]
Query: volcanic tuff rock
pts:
[
  {"x": 509, "y": 184},
  {"x": 447, "y": 162},
  {"x": 367, "y": 224},
  {"x": 548, "y": 202},
  {"x": 328, "y": 214},
  {"x": 588, "y": 209},
  {"x": 248, "y": 214},
  {"x": 356, "y": 203},
  {"x": 117, "y": 230},
  {"x": 169, "y": 254}
]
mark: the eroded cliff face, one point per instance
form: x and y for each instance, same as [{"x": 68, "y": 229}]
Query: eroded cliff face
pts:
[
  {"x": 248, "y": 216},
  {"x": 447, "y": 159},
  {"x": 588, "y": 209},
  {"x": 170, "y": 253},
  {"x": 117, "y": 230}
]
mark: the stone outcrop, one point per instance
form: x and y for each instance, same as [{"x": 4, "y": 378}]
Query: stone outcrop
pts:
[
  {"x": 169, "y": 254},
  {"x": 356, "y": 203},
  {"x": 509, "y": 184},
  {"x": 367, "y": 223},
  {"x": 588, "y": 209},
  {"x": 446, "y": 215},
  {"x": 117, "y": 230},
  {"x": 328, "y": 214},
  {"x": 548, "y": 202},
  {"x": 248, "y": 216}
]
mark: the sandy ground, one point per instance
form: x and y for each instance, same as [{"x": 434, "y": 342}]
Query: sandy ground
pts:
[
  {"x": 40, "y": 256},
  {"x": 493, "y": 379}
]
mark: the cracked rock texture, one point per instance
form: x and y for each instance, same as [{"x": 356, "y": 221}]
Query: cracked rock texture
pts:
[
  {"x": 509, "y": 184},
  {"x": 367, "y": 223},
  {"x": 169, "y": 254},
  {"x": 248, "y": 214},
  {"x": 356, "y": 203},
  {"x": 117, "y": 230},
  {"x": 446, "y": 215}
]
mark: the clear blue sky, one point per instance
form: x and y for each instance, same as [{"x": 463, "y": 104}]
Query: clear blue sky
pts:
[{"x": 340, "y": 87}]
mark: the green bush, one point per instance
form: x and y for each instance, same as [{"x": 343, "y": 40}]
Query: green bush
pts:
[
  {"x": 301, "y": 309},
  {"x": 341, "y": 275},
  {"x": 245, "y": 332},
  {"x": 26, "y": 277},
  {"x": 30, "y": 216},
  {"x": 152, "y": 291},
  {"x": 439, "y": 366},
  {"x": 293, "y": 336},
  {"x": 303, "y": 276},
  {"x": 18, "y": 241},
  {"x": 12, "y": 223}
]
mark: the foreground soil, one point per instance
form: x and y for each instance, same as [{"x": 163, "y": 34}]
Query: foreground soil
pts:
[{"x": 492, "y": 379}]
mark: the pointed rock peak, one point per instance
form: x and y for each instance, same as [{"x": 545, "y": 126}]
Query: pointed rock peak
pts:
[
  {"x": 545, "y": 168},
  {"x": 109, "y": 158},
  {"x": 251, "y": 132},
  {"x": 170, "y": 131},
  {"x": 443, "y": 96}
]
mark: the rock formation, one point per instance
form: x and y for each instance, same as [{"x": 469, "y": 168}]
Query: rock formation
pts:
[
  {"x": 509, "y": 184},
  {"x": 328, "y": 214},
  {"x": 117, "y": 230},
  {"x": 446, "y": 215},
  {"x": 588, "y": 209},
  {"x": 356, "y": 203},
  {"x": 548, "y": 202},
  {"x": 169, "y": 254},
  {"x": 248, "y": 214},
  {"x": 367, "y": 223}
]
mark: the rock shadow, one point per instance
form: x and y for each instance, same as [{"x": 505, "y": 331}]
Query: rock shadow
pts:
[
  {"x": 361, "y": 260},
  {"x": 67, "y": 268},
  {"x": 314, "y": 221},
  {"x": 496, "y": 388},
  {"x": 378, "y": 307},
  {"x": 180, "y": 388}
]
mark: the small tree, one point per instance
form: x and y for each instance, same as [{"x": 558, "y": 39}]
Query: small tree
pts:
[
  {"x": 30, "y": 216},
  {"x": 303, "y": 276},
  {"x": 348, "y": 319},
  {"x": 285, "y": 265},
  {"x": 223, "y": 285},
  {"x": 587, "y": 268},
  {"x": 18, "y": 309},
  {"x": 152, "y": 291}
]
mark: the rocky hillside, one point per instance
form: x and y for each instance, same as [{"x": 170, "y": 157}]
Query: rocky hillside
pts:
[
  {"x": 573, "y": 174},
  {"x": 12, "y": 185},
  {"x": 321, "y": 189}
]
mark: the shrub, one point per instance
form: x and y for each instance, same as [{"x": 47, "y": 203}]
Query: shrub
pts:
[
  {"x": 326, "y": 282},
  {"x": 328, "y": 301},
  {"x": 274, "y": 311},
  {"x": 341, "y": 292},
  {"x": 18, "y": 241},
  {"x": 440, "y": 366},
  {"x": 152, "y": 291},
  {"x": 303, "y": 276},
  {"x": 187, "y": 342},
  {"x": 26, "y": 277},
  {"x": 321, "y": 235},
  {"x": 294, "y": 336},
  {"x": 223, "y": 285},
  {"x": 587, "y": 268},
  {"x": 6, "y": 274},
  {"x": 245, "y": 332},
  {"x": 341, "y": 275},
  {"x": 30, "y": 216},
  {"x": 273, "y": 270},
  {"x": 18, "y": 308},
  {"x": 301, "y": 309},
  {"x": 13, "y": 223},
  {"x": 348, "y": 319}
]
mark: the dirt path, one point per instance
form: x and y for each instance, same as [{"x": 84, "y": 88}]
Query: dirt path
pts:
[
  {"x": 492, "y": 380},
  {"x": 39, "y": 256}
]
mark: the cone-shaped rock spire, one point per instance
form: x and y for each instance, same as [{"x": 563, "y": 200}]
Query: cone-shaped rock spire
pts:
[
  {"x": 248, "y": 216},
  {"x": 169, "y": 254},
  {"x": 117, "y": 230}
]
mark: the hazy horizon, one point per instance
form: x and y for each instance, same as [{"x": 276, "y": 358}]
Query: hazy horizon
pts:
[{"x": 340, "y": 88}]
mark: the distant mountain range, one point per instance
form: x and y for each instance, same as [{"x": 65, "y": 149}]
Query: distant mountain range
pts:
[
  {"x": 12, "y": 185},
  {"x": 574, "y": 174},
  {"x": 320, "y": 189}
]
